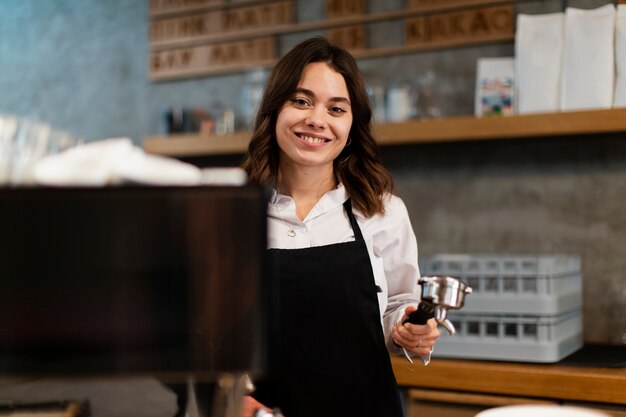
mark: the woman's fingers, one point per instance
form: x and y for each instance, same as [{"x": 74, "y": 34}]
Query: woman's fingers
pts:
[{"x": 416, "y": 338}]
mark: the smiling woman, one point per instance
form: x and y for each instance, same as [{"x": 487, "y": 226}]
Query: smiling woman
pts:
[
  {"x": 318, "y": 58},
  {"x": 312, "y": 129},
  {"x": 341, "y": 243}
]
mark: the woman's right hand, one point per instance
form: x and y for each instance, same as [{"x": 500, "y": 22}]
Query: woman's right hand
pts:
[
  {"x": 250, "y": 405},
  {"x": 416, "y": 338}
]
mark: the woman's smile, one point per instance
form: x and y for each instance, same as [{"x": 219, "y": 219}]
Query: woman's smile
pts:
[{"x": 312, "y": 139}]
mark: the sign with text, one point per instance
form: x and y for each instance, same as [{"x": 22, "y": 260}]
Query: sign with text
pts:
[
  {"x": 184, "y": 62},
  {"x": 216, "y": 22},
  {"x": 344, "y": 8},
  {"x": 463, "y": 27},
  {"x": 202, "y": 37},
  {"x": 353, "y": 37}
]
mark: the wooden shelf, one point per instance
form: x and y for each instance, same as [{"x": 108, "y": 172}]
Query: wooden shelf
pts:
[
  {"x": 604, "y": 385},
  {"x": 451, "y": 129},
  {"x": 194, "y": 145},
  {"x": 507, "y": 127}
]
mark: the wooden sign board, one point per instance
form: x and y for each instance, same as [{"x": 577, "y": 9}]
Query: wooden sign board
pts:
[
  {"x": 213, "y": 58},
  {"x": 231, "y": 20},
  {"x": 203, "y": 37},
  {"x": 344, "y": 8},
  {"x": 353, "y": 37},
  {"x": 464, "y": 27}
]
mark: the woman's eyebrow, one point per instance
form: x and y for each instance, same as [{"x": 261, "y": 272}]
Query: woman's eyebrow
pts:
[
  {"x": 305, "y": 91},
  {"x": 310, "y": 93}
]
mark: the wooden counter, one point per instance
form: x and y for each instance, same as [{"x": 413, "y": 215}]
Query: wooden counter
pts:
[{"x": 602, "y": 385}]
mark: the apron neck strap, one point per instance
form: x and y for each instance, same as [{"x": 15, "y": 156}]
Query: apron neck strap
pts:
[{"x": 347, "y": 206}]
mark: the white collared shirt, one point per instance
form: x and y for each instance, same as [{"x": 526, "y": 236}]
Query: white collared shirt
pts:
[{"x": 389, "y": 238}]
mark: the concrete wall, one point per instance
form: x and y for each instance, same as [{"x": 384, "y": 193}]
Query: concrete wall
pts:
[
  {"x": 82, "y": 66},
  {"x": 548, "y": 195}
]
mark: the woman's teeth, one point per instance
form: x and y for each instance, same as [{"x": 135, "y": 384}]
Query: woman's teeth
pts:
[{"x": 312, "y": 140}]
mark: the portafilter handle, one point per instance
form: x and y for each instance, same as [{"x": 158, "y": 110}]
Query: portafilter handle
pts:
[{"x": 426, "y": 311}]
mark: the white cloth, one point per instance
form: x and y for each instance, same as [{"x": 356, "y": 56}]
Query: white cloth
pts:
[
  {"x": 112, "y": 161},
  {"x": 389, "y": 238},
  {"x": 117, "y": 161}
]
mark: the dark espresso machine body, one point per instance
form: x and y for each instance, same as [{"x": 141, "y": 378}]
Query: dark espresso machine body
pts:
[{"x": 127, "y": 280}]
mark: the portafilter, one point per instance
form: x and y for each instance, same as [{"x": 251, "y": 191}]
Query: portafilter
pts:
[{"x": 439, "y": 294}]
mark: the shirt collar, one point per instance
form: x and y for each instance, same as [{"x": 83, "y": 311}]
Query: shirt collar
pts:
[{"x": 329, "y": 201}]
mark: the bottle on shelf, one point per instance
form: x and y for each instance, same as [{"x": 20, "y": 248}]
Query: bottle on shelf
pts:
[
  {"x": 400, "y": 103},
  {"x": 251, "y": 94}
]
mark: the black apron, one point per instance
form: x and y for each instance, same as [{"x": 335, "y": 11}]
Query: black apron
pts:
[{"x": 332, "y": 355}]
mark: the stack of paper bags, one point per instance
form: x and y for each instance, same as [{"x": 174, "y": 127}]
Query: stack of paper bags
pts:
[{"x": 571, "y": 61}]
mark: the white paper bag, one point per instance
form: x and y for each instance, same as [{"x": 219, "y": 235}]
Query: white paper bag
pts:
[
  {"x": 588, "y": 62},
  {"x": 620, "y": 57},
  {"x": 495, "y": 87},
  {"x": 538, "y": 56}
]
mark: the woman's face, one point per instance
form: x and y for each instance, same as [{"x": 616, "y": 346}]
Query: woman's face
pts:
[{"x": 314, "y": 124}]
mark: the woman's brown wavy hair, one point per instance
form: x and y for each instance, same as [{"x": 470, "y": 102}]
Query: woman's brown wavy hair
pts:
[{"x": 358, "y": 167}]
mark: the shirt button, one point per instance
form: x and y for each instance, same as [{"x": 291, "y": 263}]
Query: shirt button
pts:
[{"x": 304, "y": 230}]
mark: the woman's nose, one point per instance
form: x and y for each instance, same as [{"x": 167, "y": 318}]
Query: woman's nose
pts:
[{"x": 316, "y": 118}]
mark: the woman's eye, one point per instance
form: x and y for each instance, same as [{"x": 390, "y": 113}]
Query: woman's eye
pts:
[
  {"x": 337, "y": 110},
  {"x": 300, "y": 101}
]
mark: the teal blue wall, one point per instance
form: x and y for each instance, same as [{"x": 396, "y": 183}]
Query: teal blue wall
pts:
[{"x": 78, "y": 65}]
